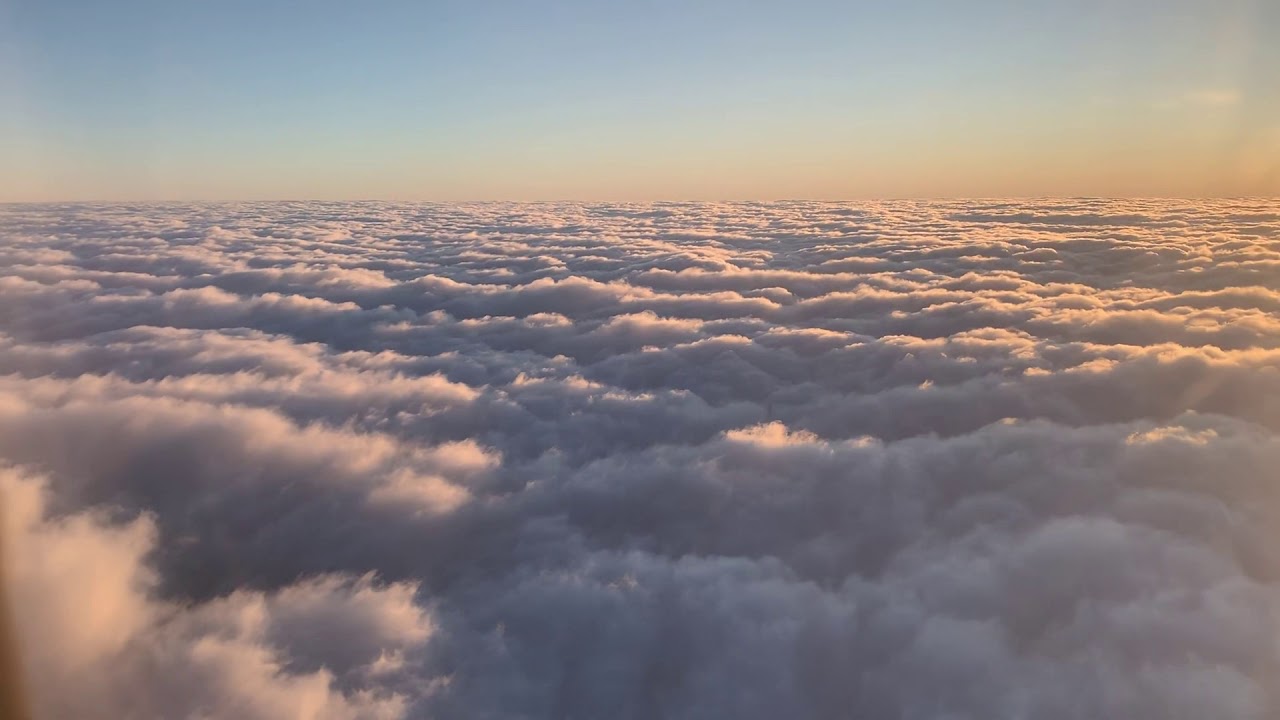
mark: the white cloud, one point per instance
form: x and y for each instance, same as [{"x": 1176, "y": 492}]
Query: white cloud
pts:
[
  {"x": 1200, "y": 99},
  {"x": 902, "y": 459},
  {"x": 1213, "y": 97}
]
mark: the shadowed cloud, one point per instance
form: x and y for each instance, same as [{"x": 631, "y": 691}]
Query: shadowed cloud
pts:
[{"x": 906, "y": 460}]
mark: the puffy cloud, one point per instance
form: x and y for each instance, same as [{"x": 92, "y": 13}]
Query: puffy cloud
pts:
[
  {"x": 98, "y": 642},
  {"x": 908, "y": 460}
]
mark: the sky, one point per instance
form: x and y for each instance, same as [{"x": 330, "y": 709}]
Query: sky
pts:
[{"x": 645, "y": 100}]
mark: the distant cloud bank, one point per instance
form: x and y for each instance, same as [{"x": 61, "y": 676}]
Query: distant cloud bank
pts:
[{"x": 912, "y": 460}]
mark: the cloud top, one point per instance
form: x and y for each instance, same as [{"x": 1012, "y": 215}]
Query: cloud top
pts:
[{"x": 910, "y": 460}]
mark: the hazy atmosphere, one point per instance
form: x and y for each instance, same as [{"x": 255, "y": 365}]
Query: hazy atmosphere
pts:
[{"x": 651, "y": 100}]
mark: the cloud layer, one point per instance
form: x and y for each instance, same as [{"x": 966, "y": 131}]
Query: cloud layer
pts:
[{"x": 914, "y": 460}]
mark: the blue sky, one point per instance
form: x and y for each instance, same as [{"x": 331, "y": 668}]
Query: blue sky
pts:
[{"x": 640, "y": 100}]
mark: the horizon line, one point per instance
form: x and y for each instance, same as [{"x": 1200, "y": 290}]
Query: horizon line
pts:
[{"x": 672, "y": 201}]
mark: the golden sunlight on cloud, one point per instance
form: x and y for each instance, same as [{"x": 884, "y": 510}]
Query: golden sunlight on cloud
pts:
[{"x": 394, "y": 461}]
